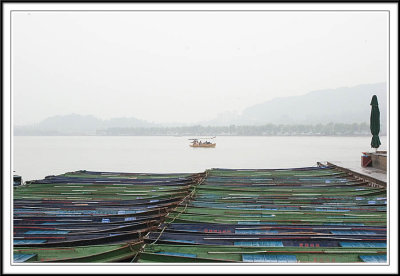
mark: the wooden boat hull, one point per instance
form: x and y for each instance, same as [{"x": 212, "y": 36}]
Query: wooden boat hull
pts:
[
  {"x": 223, "y": 215},
  {"x": 79, "y": 239},
  {"x": 273, "y": 216},
  {"x": 83, "y": 254},
  {"x": 190, "y": 253},
  {"x": 203, "y": 146},
  {"x": 86, "y": 228},
  {"x": 311, "y": 239}
]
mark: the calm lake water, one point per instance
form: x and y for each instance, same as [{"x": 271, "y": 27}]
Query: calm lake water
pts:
[{"x": 35, "y": 157}]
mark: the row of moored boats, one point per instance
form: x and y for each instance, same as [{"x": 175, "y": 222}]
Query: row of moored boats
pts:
[{"x": 299, "y": 215}]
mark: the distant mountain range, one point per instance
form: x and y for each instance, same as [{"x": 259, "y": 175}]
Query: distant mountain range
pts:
[
  {"x": 79, "y": 125},
  {"x": 341, "y": 105}
]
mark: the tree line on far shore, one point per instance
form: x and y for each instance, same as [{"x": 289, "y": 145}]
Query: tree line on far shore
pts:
[{"x": 330, "y": 129}]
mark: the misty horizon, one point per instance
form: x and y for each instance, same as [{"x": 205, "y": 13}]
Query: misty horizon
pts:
[
  {"x": 228, "y": 113},
  {"x": 185, "y": 67},
  {"x": 341, "y": 111}
]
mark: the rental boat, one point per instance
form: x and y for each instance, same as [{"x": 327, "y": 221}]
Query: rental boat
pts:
[{"x": 203, "y": 142}]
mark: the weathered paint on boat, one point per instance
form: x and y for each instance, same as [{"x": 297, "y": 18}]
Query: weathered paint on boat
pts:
[
  {"x": 80, "y": 216},
  {"x": 311, "y": 214},
  {"x": 85, "y": 254},
  {"x": 285, "y": 215},
  {"x": 177, "y": 253}
]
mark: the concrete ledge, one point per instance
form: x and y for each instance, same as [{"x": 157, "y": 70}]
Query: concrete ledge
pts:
[
  {"x": 374, "y": 177},
  {"x": 379, "y": 159}
]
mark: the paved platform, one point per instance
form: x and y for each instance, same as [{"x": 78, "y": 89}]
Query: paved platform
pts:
[{"x": 368, "y": 172}]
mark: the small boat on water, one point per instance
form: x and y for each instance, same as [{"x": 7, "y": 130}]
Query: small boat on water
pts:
[{"x": 203, "y": 142}]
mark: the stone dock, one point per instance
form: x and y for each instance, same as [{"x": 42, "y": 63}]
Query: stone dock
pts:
[{"x": 375, "y": 174}]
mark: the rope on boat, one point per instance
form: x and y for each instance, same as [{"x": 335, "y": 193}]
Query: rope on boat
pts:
[
  {"x": 190, "y": 195},
  {"x": 168, "y": 223},
  {"x": 137, "y": 253}
]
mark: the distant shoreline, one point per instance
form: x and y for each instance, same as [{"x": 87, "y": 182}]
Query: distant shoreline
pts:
[{"x": 329, "y": 129}]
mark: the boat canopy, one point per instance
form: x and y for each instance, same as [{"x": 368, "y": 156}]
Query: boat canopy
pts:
[{"x": 204, "y": 138}]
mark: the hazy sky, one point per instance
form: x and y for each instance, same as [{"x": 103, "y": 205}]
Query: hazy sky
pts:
[{"x": 186, "y": 66}]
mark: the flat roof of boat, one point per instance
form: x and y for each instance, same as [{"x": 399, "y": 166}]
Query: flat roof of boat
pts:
[{"x": 202, "y": 138}]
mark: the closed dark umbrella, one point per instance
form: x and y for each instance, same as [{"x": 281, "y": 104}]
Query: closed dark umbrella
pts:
[{"x": 375, "y": 123}]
